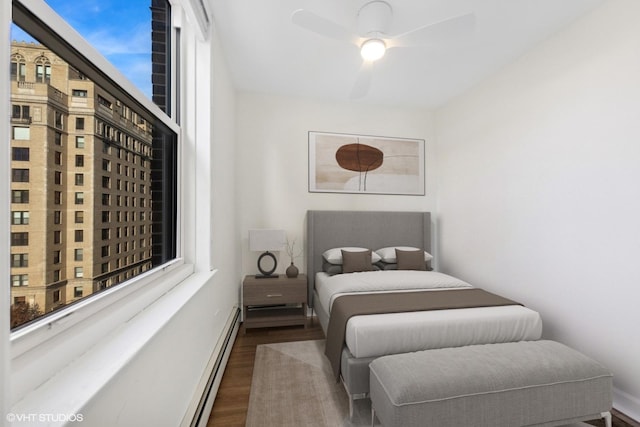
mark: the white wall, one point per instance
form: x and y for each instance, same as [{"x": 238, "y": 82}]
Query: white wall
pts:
[
  {"x": 539, "y": 188},
  {"x": 272, "y": 153}
]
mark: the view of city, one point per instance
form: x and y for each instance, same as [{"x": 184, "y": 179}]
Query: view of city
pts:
[{"x": 82, "y": 184}]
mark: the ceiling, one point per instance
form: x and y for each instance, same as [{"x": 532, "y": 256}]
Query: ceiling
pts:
[{"x": 267, "y": 53}]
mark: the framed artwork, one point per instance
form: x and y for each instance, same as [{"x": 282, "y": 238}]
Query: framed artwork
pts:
[{"x": 362, "y": 164}]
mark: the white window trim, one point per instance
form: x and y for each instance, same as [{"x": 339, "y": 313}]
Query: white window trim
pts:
[{"x": 71, "y": 331}]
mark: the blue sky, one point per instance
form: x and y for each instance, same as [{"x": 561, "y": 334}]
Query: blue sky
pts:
[{"x": 119, "y": 29}]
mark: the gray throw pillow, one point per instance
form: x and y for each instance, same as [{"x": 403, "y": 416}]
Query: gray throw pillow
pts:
[
  {"x": 410, "y": 260},
  {"x": 353, "y": 262}
]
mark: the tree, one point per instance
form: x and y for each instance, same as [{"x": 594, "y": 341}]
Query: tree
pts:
[{"x": 23, "y": 313}]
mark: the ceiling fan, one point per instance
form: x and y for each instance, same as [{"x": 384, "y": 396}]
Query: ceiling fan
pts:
[{"x": 373, "y": 38}]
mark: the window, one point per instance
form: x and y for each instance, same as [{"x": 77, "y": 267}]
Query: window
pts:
[
  {"x": 19, "y": 175},
  {"x": 43, "y": 69},
  {"x": 19, "y": 260},
  {"x": 19, "y": 280},
  {"x": 20, "y": 218},
  {"x": 18, "y": 67},
  {"x": 20, "y": 239},
  {"x": 105, "y": 251},
  {"x": 56, "y": 257},
  {"x": 20, "y": 154},
  {"x": 149, "y": 136},
  {"x": 21, "y": 133},
  {"x": 19, "y": 196}
]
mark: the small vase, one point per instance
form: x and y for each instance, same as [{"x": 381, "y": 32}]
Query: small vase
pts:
[{"x": 292, "y": 271}]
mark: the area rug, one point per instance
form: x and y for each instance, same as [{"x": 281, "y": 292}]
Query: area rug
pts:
[{"x": 292, "y": 385}]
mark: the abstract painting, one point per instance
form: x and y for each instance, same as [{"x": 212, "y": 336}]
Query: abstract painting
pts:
[{"x": 343, "y": 163}]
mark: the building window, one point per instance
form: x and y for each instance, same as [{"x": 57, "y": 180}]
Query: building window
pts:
[
  {"x": 79, "y": 217},
  {"x": 19, "y": 280},
  {"x": 79, "y": 93},
  {"x": 106, "y": 216},
  {"x": 56, "y": 257},
  {"x": 21, "y": 133},
  {"x": 43, "y": 69},
  {"x": 57, "y": 217},
  {"x": 18, "y": 67},
  {"x": 57, "y": 197},
  {"x": 57, "y": 139},
  {"x": 77, "y": 291},
  {"x": 58, "y": 119},
  {"x": 20, "y": 239},
  {"x": 57, "y": 178},
  {"x": 78, "y": 254},
  {"x": 78, "y": 272},
  {"x": 57, "y": 157},
  {"x": 106, "y": 234},
  {"x": 79, "y": 160},
  {"x": 79, "y": 123},
  {"x": 106, "y": 182},
  {"x": 56, "y": 296},
  {"x": 19, "y": 175},
  {"x": 57, "y": 237},
  {"x": 20, "y": 218},
  {"x": 79, "y": 198},
  {"x": 19, "y": 260},
  {"x": 105, "y": 251},
  {"x": 79, "y": 179},
  {"x": 79, "y": 141},
  {"x": 19, "y": 196},
  {"x": 56, "y": 275},
  {"x": 20, "y": 154},
  {"x": 79, "y": 235}
]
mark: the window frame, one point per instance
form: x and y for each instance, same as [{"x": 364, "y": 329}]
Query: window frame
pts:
[{"x": 138, "y": 292}]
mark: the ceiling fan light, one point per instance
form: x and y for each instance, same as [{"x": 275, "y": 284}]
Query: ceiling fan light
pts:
[{"x": 372, "y": 49}]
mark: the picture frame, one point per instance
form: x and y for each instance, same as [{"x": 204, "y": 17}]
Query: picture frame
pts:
[{"x": 365, "y": 164}]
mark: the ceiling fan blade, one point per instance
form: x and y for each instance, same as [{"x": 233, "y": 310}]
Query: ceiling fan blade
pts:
[
  {"x": 319, "y": 25},
  {"x": 363, "y": 81},
  {"x": 447, "y": 30}
]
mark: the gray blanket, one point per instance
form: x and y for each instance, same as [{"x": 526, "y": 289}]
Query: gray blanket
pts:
[{"x": 347, "y": 306}]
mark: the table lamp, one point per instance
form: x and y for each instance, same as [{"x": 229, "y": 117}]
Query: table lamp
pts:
[{"x": 265, "y": 241}]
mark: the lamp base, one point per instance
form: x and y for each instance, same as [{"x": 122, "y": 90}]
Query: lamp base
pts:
[{"x": 266, "y": 276}]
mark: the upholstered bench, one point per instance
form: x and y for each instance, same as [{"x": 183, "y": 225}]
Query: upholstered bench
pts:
[{"x": 525, "y": 383}]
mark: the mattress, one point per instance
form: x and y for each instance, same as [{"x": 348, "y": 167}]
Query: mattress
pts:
[{"x": 382, "y": 334}]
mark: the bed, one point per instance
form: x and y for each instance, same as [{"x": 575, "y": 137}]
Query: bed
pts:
[{"x": 367, "y": 337}]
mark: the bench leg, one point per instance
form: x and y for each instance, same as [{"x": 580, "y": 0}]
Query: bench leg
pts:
[
  {"x": 373, "y": 417},
  {"x": 607, "y": 418}
]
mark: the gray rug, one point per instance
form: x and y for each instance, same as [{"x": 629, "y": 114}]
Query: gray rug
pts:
[{"x": 292, "y": 385}]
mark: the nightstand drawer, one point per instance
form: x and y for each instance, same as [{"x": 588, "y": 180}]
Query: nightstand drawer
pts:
[{"x": 277, "y": 293}]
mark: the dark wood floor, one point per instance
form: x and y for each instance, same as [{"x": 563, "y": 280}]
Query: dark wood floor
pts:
[{"x": 232, "y": 400}]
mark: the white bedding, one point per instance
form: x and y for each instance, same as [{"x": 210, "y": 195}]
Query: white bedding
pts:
[{"x": 381, "y": 334}]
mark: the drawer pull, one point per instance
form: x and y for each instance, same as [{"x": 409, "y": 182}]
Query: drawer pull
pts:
[{"x": 274, "y": 295}]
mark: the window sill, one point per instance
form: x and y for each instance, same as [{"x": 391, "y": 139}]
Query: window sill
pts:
[{"x": 79, "y": 382}]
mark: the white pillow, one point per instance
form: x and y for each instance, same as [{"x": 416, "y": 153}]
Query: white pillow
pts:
[
  {"x": 388, "y": 255},
  {"x": 334, "y": 255}
]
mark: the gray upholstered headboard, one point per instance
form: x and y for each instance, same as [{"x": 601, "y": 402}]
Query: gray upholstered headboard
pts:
[{"x": 367, "y": 229}]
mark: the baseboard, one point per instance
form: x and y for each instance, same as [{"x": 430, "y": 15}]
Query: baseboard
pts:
[
  {"x": 200, "y": 409},
  {"x": 628, "y": 405}
]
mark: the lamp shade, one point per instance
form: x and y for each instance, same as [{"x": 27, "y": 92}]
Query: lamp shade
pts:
[{"x": 267, "y": 240}]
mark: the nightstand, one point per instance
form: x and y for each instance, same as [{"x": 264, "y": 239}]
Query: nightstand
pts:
[{"x": 278, "y": 301}]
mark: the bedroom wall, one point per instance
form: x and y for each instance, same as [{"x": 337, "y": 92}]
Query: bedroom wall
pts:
[
  {"x": 272, "y": 158},
  {"x": 538, "y": 172}
]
